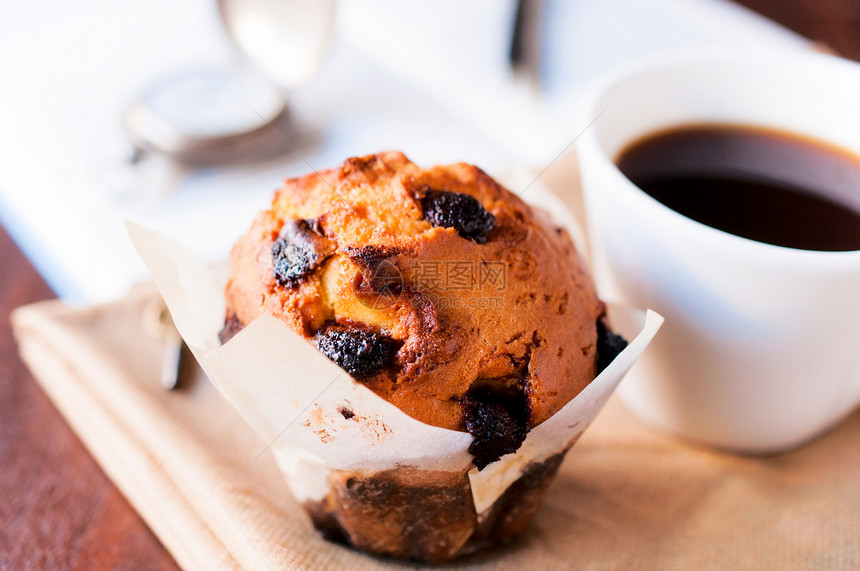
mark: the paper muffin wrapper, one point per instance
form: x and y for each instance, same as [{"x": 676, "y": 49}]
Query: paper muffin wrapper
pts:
[
  {"x": 426, "y": 515},
  {"x": 344, "y": 450}
]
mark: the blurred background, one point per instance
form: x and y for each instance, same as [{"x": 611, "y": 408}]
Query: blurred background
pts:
[{"x": 185, "y": 116}]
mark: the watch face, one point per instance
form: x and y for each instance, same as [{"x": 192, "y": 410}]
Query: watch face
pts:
[{"x": 197, "y": 114}]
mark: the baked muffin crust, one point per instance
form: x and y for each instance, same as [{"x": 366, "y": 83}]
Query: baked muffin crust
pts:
[{"x": 461, "y": 302}]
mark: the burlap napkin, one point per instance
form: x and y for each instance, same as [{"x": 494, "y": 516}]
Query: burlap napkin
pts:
[{"x": 625, "y": 498}]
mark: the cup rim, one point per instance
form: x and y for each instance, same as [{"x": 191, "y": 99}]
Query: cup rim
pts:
[{"x": 590, "y": 112}]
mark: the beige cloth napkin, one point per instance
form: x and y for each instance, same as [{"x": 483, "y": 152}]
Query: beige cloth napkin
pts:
[{"x": 626, "y": 497}]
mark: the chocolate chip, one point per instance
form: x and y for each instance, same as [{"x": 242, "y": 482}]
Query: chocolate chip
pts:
[
  {"x": 345, "y": 412},
  {"x": 232, "y": 326},
  {"x": 458, "y": 211},
  {"x": 315, "y": 224},
  {"x": 381, "y": 274},
  {"x": 359, "y": 352},
  {"x": 297, "y": 251},
  {"x": 498, "y": 421},
  {"x": 609, "y": 345}
]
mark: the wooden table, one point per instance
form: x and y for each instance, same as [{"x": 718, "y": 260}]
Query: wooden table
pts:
[{"x": 57, "y": 508}]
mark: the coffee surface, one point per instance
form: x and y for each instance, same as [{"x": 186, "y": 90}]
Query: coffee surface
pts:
[{"x": 769, "y": 186}]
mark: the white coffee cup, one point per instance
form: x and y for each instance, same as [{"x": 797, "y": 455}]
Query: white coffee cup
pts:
[{"x": 761, "y": 347}]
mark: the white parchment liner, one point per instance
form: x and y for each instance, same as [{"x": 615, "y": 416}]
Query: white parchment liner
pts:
[{"x": 291, "y": 394}]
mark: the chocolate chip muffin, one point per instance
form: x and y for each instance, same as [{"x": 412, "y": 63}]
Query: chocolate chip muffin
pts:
[{"x": 438, "y": 289}]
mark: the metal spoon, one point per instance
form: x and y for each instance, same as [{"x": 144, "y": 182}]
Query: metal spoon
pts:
[{"x": 159, "y": 324}]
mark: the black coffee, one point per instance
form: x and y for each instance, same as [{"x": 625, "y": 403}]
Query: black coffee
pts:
[{"x": 770, "y": 186}]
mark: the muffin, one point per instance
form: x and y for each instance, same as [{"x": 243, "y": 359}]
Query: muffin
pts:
[{"x": 449, "y": 297}]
